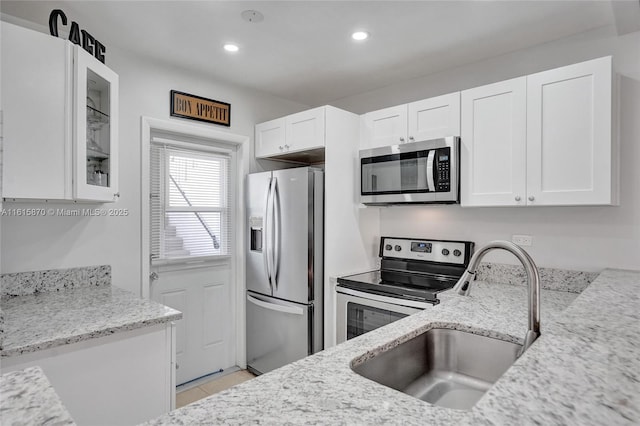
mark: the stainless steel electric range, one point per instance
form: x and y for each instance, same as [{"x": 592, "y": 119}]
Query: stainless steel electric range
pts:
[{"x": 412, "y": 273}]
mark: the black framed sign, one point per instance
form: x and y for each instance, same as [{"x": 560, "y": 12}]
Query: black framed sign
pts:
[{"x": 194, "y": 107}]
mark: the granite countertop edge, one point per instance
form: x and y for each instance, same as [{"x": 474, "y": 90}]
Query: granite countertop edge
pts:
[
  {"x": 116, "y": 311},
  {"x": 580, "y": 371}
]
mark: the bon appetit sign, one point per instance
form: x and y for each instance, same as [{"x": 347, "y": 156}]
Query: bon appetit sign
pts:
[{"x": 198, "y": 108}]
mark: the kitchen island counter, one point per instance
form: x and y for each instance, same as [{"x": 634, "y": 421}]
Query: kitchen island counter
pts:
[{"x": 582, "y": 370}]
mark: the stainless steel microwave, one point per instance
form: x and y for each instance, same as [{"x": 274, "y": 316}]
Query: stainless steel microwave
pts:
[{"x": 417, "y": 172}]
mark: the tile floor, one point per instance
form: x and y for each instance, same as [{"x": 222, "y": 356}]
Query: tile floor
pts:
[{"x": 211, "y": 387}]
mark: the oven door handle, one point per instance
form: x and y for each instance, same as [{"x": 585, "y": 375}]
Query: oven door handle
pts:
[{"x": 384, "y": 299}]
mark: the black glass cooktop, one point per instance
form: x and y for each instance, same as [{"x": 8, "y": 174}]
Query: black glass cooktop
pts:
[{"x": 407, "y": 285}]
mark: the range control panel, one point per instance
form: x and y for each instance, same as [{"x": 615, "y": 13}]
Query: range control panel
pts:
[{"x": 428, "y": 250}]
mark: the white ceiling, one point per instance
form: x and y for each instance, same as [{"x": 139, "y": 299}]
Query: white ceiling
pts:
[{"x": 302, "y": 51}]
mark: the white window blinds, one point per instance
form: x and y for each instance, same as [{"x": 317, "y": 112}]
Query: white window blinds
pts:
[{"x": 190, "y": 202}]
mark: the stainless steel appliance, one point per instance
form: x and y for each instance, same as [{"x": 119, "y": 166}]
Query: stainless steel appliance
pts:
[
  {"x": 412, "y": 273},
  {"x": 417, "y": 172},
  {"x": 284, "y": 267}
]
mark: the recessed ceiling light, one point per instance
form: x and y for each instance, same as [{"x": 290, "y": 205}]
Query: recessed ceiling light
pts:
[
  {"x": 360, "y": 35},
  {"x": 230, "y": 47}
]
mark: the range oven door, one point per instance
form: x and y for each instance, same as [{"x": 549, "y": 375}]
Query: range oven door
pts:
[
  {"x": 418, "y": 172},
  {"x": 359, "y": 312}
]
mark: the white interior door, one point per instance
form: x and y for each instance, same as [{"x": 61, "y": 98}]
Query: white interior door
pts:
[{"x": 205, "y": 337}]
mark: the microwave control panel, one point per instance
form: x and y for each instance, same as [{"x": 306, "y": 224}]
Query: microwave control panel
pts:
[{"x": 443, "y": 169}]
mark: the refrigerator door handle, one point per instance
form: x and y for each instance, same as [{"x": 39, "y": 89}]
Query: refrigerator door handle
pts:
[
  {"x": 295, "y": 310},
  {"x": 267, "y": 232},
  {"x": 277, "y": 231}
]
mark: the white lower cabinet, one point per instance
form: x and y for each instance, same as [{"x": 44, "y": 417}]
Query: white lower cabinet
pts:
[
  {"x": 544, "y": 139},
  {"x": 122, "y": 379}
]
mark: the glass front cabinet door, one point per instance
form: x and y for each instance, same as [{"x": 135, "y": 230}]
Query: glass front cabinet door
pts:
[{"x": 95, "y": 133}]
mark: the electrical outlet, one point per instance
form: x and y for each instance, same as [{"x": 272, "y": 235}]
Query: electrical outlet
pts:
[{"x": 522, "y": 240}]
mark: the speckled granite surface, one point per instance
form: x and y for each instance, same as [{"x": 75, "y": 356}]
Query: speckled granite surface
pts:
[
  {"x": 550, "y": 278},
  {"x": 23, "y": 283},
  {"x": 27, "y": 398},
  {"x": 322, "y": 389},
  {"x": 45, "y": 320}
]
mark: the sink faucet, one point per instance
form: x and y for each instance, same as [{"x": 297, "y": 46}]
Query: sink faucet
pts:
[{"x": 463, "y": 286}]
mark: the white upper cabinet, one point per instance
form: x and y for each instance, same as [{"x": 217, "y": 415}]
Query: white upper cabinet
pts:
[
  {"x": 95, "y": 112},
  {"x": 569, "y": 139},
  {"x": 384, "y": 127},
  {"x": 60, "y": 111},
  {"x": 544, "y": 139},
  {"x": 434, "y": 118},
  {"x": 36, "y": 82},
  {"x": 305, "y": 130},
  {"x": 298, "y": 132},
  {"x": 493, "y": 144},
  {"x": 270, "y": 138},
  {"x": 431, "y": 118}
]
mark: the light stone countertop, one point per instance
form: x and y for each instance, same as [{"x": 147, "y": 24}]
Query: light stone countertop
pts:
[
  {"x": 583, "y": 370},
  {"x": 46, "y": 320},
  {"x": 27, "y": 398}
]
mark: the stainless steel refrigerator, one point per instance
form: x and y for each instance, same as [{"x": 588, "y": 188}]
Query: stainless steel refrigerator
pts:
[{"x": 284, "y": 266}]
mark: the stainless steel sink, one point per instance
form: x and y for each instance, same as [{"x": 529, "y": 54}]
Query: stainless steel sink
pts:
[{"x": 444, "y": 367}]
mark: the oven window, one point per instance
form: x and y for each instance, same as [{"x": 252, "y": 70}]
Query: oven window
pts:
[{"x": 362, "y": 319}]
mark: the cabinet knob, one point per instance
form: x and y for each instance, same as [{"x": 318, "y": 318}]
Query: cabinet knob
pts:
[
  {"x": 286, "y": 146},
  {"x": 401, "y": 139},
  {"x": 116, "y": 195},
  {"x": 281, "y": 148},
  {"x": 411, "y": 138},
  {"x": 531, "y": 198},
  {"x": 518, "y": 198}
]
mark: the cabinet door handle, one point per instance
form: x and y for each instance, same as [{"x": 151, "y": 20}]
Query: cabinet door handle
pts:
[
  {"x": 531, "y": 198},
  {"x": 518, "y": 198}
]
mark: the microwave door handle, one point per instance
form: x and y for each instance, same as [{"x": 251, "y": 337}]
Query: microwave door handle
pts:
[{"x": 431, "y": 162}]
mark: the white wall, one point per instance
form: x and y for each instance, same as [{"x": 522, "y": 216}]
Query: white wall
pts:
[
  {"x": 60, "y": 242},
  {"x": 585, "y": 238}
]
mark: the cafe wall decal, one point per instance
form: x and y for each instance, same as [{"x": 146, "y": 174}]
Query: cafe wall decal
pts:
[
  {"x": 76, "y": 35},
  {"x": 194, "y": 107}
]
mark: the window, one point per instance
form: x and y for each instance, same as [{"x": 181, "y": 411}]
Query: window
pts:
[{"x": 190, "y": 202}]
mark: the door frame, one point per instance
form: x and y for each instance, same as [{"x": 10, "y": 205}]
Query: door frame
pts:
[{"x": 241, "y": 142}]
